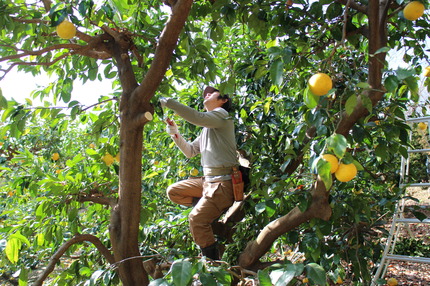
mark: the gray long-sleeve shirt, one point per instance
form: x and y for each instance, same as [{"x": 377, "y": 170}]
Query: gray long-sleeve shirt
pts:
[{"x": 216, "y": 143}]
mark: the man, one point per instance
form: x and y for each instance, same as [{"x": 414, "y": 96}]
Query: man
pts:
[{"x": 212, "y": 194}]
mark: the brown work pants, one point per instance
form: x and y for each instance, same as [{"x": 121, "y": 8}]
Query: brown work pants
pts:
[{"x": 215, "y": 198}]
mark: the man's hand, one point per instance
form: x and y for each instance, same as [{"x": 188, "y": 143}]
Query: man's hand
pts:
[{"x": 172, "y": 128}]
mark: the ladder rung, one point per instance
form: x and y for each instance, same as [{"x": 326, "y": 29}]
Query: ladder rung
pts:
[
  {"x": 415, "y": 185},
  {"x": 412, "y": 220},
  {"x": 408, "y": 258},
  {"x": 419, "y": 119},
  {"x": 419, "y": 151}
]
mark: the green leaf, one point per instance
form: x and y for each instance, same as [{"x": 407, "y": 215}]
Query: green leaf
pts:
[
  {"x": 264, "y": 277},
  {"x": 12, "y": 249},
  {"x": 364, "y": 85},
  {"x": 277, "y": 72},
  {"x": 181, "y": 272},
  {"x": 310, "y": 99},
  {"x": 391, "y": 83},
  {"x": 20, "y": 237},
  {"x": 23, "y": 277},
  {"x": 266, "y": 107},
  {"x": 419, "y": 215},
  {"x": 404, "y": 73},
  {"x": 108, "y": 11},
  {"x": 382, "y": 50},
  {"x": 282, "y": 277},
  {"x": 350, "y": 104},
  {"x": 365, "y": 100},
  {"x": 337, "y": 144},
  {"x": 316, "y": 273},
  {"x": 381, "y": 151},
  {"x": 412, "y": 84},
  {"x": 3, "y": 101},
  {"x": 207, "y": 279},
  {"x": 223, "y": 277},
  {"x": 323, "y": 170}
]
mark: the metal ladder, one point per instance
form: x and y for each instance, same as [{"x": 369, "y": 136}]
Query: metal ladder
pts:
[{"x": 398, "y": 218}]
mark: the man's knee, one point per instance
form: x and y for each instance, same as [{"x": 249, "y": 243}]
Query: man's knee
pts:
[{"x": 170, "y": 192}]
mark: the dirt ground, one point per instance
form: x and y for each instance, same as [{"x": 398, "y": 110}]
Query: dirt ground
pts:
[{"x": 409, "y": 273}]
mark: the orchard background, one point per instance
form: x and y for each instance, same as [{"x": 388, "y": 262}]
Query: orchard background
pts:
[{"x": 95, "y": 213}]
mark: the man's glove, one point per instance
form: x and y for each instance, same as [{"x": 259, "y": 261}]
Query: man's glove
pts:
[
  {"x": 163, "y": 102},
  {"x": 172, "y": 128}
]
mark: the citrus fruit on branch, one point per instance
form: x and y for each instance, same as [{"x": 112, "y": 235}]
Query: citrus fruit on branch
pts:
[
  {"x": 320, "y": 84},
  {"x": 108, "y": 159},
  {"x": 413, "y": 10},
  {"x": 346, "y": 172},
  {"x": 422, "y": 126},
  {"x": 427, "y": 71},
  {"x": 66, "y": 30}
]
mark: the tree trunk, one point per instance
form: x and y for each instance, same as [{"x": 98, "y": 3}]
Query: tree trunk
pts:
[{"x": 134, "y": 108}]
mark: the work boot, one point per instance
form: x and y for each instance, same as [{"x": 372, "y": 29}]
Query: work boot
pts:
[{"x": 211, "y": 251}]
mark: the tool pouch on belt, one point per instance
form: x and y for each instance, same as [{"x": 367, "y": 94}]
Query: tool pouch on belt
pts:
[{"x": 238, "y": 184}]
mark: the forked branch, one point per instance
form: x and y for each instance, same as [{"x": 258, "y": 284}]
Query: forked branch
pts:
[{"x": 60, "y": 252}]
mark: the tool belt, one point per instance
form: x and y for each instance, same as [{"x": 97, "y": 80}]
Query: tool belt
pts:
[
  {"x": 217, "y": 171},
  {"x": 236, "y": 177}
]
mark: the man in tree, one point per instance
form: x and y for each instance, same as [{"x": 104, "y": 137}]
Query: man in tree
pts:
[{"x": 213, "y": 193}]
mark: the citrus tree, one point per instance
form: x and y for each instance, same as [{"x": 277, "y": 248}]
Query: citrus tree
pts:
[{"x": 310, "y": 79}]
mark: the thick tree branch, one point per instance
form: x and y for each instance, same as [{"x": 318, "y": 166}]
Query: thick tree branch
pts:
[
  {"x": 163, "y": 53},
  {"x": 96, "y": 48},
  {"x": 319, "y": 208},
  {"x": 59, "y": 253},
  {"x": 377, "y": 40}
]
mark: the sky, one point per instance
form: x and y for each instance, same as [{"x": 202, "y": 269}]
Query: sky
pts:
[{"x": 19, "y": 85}]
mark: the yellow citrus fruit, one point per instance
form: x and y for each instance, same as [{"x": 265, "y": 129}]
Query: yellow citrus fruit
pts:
[
  {"x": 413, "y": 10},
  {"x": 55, "y": 156},
  {"x": 320, "y": 84},
  {"x": 117, "y": 157},
  {"x": 427, "y": 71},
  {"x": 346, "y": 172},
  {"x": 1, "y": 144},
  {"x": 108, "y": 159},
  {"x": 58, "y": 171},
  {"x": 182, "y": 173},
  {"x": 422, "y": 126},
  {"x": 392, "y": 282},
  {"x": 194, "y": 172},
  {"x": 66, "y": 30},
  {"x": 339, "y": 280},
  {"x": 92, "y": 146},
  {"x": 334, "y": 162},
  {"x": 305, "y": 280}
]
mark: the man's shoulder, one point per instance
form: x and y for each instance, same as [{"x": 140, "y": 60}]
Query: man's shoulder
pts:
[{"x": 222, "y": 112}]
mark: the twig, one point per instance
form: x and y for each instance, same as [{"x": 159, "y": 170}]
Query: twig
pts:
[{"x": 59, "y": 253}]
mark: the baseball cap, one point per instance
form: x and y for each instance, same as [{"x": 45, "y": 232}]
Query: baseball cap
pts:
[{"x": 209, "y": 89}]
